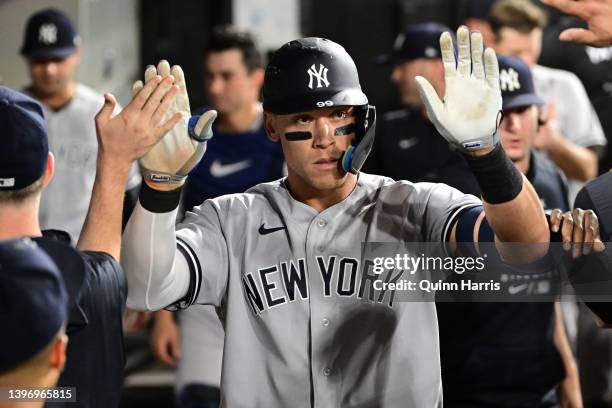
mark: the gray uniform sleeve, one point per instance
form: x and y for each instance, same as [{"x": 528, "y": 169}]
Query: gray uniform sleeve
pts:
[
  {"x": 441, "y": 207},
  {"x": 157, "y": 273},
  {"x": 200, "y": 238}
]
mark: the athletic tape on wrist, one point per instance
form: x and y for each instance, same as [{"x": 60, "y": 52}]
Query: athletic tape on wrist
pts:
[
  {"x": 159, "y": 201},
  {"x": 498, "y": 178}
]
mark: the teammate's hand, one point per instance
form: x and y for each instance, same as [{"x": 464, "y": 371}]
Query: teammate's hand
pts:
[
  {"x": 469, "y": 114},
  {"x": 183, "y": 146},
  {"x": 579, "y": 230},
  {"x": 596, "y": 13},
  {"x": 134, "y": 320},
  {"x": 165, "y": 339},
  {"x": 128, "y": 136}
]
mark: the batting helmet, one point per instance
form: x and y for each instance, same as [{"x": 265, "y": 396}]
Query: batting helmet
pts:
[{"x": 314, "y": 73}]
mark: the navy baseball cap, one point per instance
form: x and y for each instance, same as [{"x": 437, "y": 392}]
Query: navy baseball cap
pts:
[
  {"x": 49, "y": 34},
  {"x": 417, "y": 41},
  {"x": 24, "y": 152},
  {"x": 516, "y": 83},
  {"x": 34, "y": 301}
]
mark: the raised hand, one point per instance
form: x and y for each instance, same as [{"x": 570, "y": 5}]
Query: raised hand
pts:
[
  {"x": 469, "y": 114},
  {"x": 183, "y": 146}
]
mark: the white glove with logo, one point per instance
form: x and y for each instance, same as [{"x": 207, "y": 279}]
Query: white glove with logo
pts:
[
  {"x": 470, "y": 113},
  {"x": 173, "y": 157}
]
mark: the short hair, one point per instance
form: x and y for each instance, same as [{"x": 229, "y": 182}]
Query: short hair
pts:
[
  {"x": 19, "y": 196},
  {"x": 520, "y": 15},
  {"x": 227, "y": 37}
]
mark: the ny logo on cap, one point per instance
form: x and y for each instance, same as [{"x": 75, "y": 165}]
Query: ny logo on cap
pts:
[
  {"x": 47, "y": 34},
  {"x": 509, "y": 80},
  {"x": 321, "y": 76},
  {"x": 7, "y": 182}
]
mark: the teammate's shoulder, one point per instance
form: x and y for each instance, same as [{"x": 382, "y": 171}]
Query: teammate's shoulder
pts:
[
  {"x": 84, "y": 93},
  {"x": 560, "y": 76}
]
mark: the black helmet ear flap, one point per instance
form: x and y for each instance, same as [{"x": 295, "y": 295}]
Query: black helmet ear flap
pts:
[{"x": 357, "y": 153}]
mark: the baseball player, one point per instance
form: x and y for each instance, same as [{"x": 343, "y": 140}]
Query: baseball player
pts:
[
  {"x": 52, "y": 50},
  {"x": 284, "y": 261}
]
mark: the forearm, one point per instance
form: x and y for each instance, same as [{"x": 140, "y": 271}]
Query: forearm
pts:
[
  {"x": 577, "y": 162},
  {"x": 508, "y": 196},
  {"x": 157, "y": 273},
  {"x": 102, "y": 227},
  {"x": 520, "y": 220},
  {"x": 562, "y": 345}
]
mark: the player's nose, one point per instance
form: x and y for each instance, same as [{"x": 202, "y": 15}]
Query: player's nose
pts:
[
  {"x": 50, "y": 68},
  {"x": 323, "y": 136},
  {"x": 513, "y": 121}
]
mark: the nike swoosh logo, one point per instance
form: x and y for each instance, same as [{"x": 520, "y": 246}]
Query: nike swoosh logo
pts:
[
  {"x": 265, "y": 231},
  {"x": 513, "y": 290},
  {"x": 221, "y": 170}
]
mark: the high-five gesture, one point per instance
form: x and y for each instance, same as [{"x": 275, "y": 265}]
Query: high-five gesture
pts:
[
  {"x": 469, "y": 114},
  {"x": 182, "y": 148}
]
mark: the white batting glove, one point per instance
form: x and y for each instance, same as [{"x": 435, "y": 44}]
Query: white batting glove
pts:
[
  {"x": 173, "y": 157},
  {"x": 469, "y": 114}
]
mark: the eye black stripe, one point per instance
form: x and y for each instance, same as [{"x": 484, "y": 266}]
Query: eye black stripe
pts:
[
  {"x": 345, "y": 130},
  {"x": 293, "y": 136}
]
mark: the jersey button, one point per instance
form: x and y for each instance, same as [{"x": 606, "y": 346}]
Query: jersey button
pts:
[
  {"x": 327, "y": 371},
  {"x": 325, "y": 321},
  {"x": 322, "y": 223}
]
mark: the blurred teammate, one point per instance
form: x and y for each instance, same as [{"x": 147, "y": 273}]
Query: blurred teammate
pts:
[
  {"x": 407, "y": 145},
  {"x": 51, "y": 48},
  {"x": 33, "y": 317},
  {"x": 237, "y": 158},
  {"x": 572, "y": 136},
  {"x": 95, "y": 357}
]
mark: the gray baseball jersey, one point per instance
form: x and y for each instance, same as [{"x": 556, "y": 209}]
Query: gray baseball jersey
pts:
[
  {"x": 72, "y": 139},
  {"x": 302, "y": 325}
]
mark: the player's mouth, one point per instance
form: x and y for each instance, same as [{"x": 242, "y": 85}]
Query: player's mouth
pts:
[{"x": 327, "y": 163}]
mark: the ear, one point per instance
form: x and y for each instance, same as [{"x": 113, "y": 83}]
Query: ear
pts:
[
  {"x": 77, "y": 54},
  {"x": 271, "y": 128},
  {"x": 257, "y": 76},
  {"x": 58, "y": 356},
  {"x": 50, "y": 169}
]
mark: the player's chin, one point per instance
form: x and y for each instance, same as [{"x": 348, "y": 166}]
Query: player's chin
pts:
[{"x": 329, "y": 180}]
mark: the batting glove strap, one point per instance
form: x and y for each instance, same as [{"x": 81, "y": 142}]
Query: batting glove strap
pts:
[
  {"x": 498, "y": 178},
  {"x": 164, "y": 178}
]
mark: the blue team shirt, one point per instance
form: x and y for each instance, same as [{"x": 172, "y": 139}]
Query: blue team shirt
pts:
[{"x": 232, "y": 164}]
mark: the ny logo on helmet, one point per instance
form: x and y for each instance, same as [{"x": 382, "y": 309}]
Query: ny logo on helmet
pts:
[
  {"x": 47, "y": 34},
  {"x": 321, "y": 76},
  {"x": 509, "y": 80}
]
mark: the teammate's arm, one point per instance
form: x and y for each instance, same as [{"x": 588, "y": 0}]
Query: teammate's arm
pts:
[
  {"x": 158, "y": 273},
  {"x": 468, "y": 118},
  {"x": 122, "y": 140}
]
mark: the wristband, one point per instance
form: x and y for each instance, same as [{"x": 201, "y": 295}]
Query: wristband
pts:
[
  {"x": 498, "y": 178},
  {"x": 158, "y": 201}
]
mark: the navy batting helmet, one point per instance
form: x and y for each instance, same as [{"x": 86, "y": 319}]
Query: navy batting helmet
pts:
[{"x": 314, "y": 73}]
